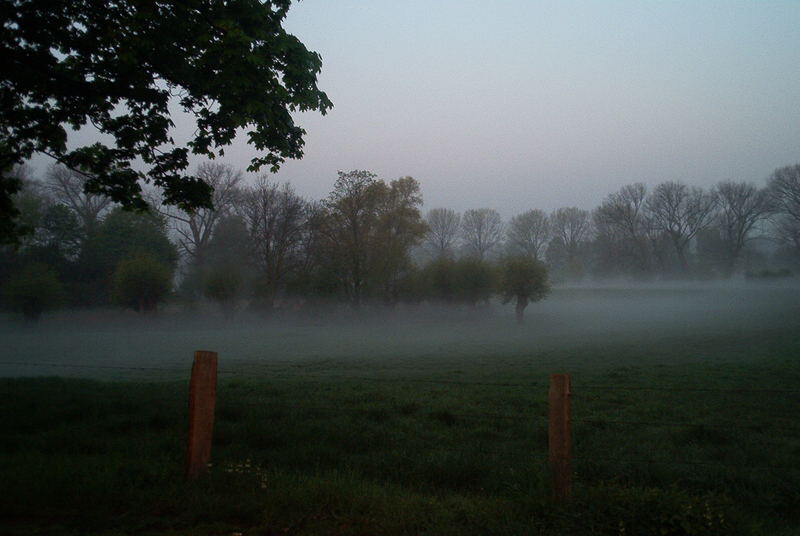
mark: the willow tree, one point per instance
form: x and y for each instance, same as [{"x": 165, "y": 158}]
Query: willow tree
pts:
[{"x": 524, "y": 280}]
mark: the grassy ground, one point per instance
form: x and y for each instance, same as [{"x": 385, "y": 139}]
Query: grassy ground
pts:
[{"x": 679, "y": 430}]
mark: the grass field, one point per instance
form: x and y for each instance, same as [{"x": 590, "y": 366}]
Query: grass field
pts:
[{"x": 421, "y": 421}]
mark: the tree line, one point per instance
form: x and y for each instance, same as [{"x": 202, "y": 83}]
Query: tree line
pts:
[{"x": 368, "y": 242}]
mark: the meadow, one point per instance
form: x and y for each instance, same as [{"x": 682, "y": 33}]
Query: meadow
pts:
[{"x": 421, "y": 420}]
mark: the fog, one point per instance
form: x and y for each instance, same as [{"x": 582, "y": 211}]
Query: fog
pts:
[{"x": 559, "y": 332}]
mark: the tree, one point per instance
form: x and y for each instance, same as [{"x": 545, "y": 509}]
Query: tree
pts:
[
  {"x": 680, "y": 212},
  {"x": 481, "y": 231},
  {"x": 32, "y": 290},
  {"x": 223, "y": 285},
  {"x": 570, "y": 227},
  {"x": 365, "y": 230},
  {"x": 475, "y": 280},
  {"x": 24, "y": 208},
  {"x": 740, "y": 207},
  {"x": 440, "y": 279},
  {"x": 195, "y": 227},
  {"x": 443, "y": 228},
  {"x": 529, "y": 233},
  {"x": 60, "y": 232},
  {"x": 141, "y": 282},
  {"x": 784, "y": 189},
  {"x": 349, "y": 220},
  {"x": 399, "y": 227},
  {"x": 523, "y": 279},
  {"x": 122, "y": 234},
  {"x": 119, "y": 66},
  {"x": 227, "y": 268},
  {"x": 623, "y": 222},
  {"x": 275, "y": 217},
  {"x": 68, "y": 188}
]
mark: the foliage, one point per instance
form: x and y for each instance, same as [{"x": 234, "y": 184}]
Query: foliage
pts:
[
  {"x": 223, "y": 285},
  {"x": 32, "y": 290},
  {"x": 475, "y": 280},
  {"x": 141, "y": 282},
  {"x": 118, "y": 66},
  {"x": 523, "y": 276},
  {"x": 439, "y": 278},
  {"x": 523, "y": 279},
  {"x": 366, "y": 229},
  {"x": 123, "y": 234},
  {"x": 60, "y": 230}
]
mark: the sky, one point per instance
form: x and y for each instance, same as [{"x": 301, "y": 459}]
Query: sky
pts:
[{"x": 520, "y": 104}]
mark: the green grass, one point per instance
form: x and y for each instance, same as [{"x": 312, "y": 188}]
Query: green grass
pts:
[{"x": 677, "y": 431}]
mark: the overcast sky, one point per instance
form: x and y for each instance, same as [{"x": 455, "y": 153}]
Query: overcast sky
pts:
[{"x": 521, "y": 104}]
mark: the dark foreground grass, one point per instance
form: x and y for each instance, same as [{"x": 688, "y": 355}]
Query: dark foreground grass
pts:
[{"x": 708, "y": 445}]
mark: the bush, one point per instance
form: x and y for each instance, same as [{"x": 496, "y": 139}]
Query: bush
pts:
[
  {"x": 524, "y": 279},
  {"x": 223, "y": 285},
  {"x": 475, "y": 280},
  {"x": 438, "y": 280},
  {"x": 141, "y": 282},
  {"x": 33, "y": 290}
]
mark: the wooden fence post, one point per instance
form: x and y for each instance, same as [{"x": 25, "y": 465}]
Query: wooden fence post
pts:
[
  {"x": 560, "y": 436},
  {"x": 202, "y": 400}
]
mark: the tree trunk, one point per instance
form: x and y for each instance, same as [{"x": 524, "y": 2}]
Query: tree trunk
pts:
[{"x": 519, "y": 310}]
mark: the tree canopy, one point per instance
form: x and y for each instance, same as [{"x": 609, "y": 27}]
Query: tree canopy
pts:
[
  {"x": 119, "y": 66},
  {"x": 525, "y": 280}
]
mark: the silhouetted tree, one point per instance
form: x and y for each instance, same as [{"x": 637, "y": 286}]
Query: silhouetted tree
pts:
[
  {"x": 523, "y": 279},
  {"x": 141, "y": 282},
  {"x": 368, "y": 228},
  {"x": 231, "y": 65},
  {"x": 444, "y": 225},
  {"x": 399, "y": 227},
  {"x": 680, "y": 212},
  {"x": 570, "y": 227},
  {"x": 740, "y": 206},
  {"x": 275, "y": 217},
  {"x": 481, "y": 231},
  {"x": 475, "y": 280},
  {"x": 33, "y": 289},
  {"x": 67, "y": 187},
  {"x": 122, "y": 234},
  {"x": 529, "y": 233},
  {"x": 784, "y": 190},
  {"x": 194, "y": 228},
  {"x": 622, "y": 222}
]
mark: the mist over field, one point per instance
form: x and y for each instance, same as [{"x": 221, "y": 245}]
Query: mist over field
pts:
[{"x": 409, "y": 337}]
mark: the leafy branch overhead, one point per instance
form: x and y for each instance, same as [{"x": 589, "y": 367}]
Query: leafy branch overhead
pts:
[{"x": 119, "y": 66}]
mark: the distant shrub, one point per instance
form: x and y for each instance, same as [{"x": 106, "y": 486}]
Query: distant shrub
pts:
[
  {"x": 223, "y": 285},
  {"x": 523, "y": 279},
  {"x": 141, "y": 282},
  {"x": 33, "y": 290},
  {"x": 438, "y": 280},
  {"x": 475, "y": 280}
]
